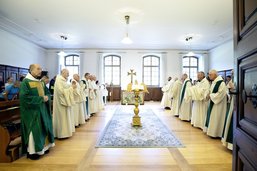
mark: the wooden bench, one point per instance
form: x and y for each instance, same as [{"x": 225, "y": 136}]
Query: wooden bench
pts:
[{"x": 10, "y": 136}]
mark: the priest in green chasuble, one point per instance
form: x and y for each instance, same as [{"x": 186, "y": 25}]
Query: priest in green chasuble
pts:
[{"x": 36, "y": 119}]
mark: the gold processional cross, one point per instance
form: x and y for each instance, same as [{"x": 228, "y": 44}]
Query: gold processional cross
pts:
[{"x": 131, "y": 73}]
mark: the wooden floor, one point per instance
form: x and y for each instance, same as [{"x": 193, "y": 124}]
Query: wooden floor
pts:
[{"x": 79, "y": 153}]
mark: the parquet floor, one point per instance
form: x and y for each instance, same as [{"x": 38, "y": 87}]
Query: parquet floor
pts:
[{"x": 78, "y": 153}]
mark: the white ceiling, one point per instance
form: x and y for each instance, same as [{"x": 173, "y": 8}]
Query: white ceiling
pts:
[{"x": 154, "y": 24}]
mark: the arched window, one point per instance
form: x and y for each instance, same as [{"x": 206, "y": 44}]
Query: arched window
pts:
[
  {"x": 72, "y": 63},
  {"x": 190, "y": 66},
  {"x": 151, "y": 70},
  {"x": 112, "y": 69}
]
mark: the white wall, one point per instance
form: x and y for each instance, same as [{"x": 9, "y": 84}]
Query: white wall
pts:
[
  {"x": 91, "y": 61},
  {"x": 222, "y": 57},
  {"x": 18, "y": 52}
]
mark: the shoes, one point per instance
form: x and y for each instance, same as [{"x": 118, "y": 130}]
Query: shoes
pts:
[
  {"x": 47, "y": 151},
  {"x": 33, "y": 156}
]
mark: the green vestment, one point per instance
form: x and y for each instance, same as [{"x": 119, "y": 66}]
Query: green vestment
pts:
[
  {"x": 35, "y": 114},
  {"x": 215, "y": 90},
  {"x": 183, "y": 93}
]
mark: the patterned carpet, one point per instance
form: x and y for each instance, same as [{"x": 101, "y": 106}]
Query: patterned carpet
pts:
[{"x": 120, "y": 134}]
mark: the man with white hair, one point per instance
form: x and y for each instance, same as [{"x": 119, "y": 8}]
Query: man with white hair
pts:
[
  {"x": 85, "y": 86},
  {"x": 198, "y": 94},
  {"x": 227, "y": 136},
  {"x": 63, "y": 121},
  {"x": 174, "y": 94},
  {"x": 166, "y": 101},
  {"x": 79, "y": 99},
  {"x": 216, "y": 112},
  {"x": 185, "y": 103},
  {"x": 93, "y": 108}
]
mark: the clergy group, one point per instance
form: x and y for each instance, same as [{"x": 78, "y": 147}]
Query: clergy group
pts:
[
  {"x": 74, "y": 103},
  {"x": 207, "y": 104}
]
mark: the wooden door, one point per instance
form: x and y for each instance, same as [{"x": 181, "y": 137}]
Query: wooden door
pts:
[{"x": 245, "y": 120}]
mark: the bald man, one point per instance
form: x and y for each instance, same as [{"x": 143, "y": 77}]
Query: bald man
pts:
[
  {"x": 36, "y": 119},
  {"x": 198, "y": 94},
  {"x": 93, "y": 108},
  {"x": 185, "y": 104},
  {"x": 227, "y": 137},
  {"x": 63, "y": 120},
  {"x": 174, "y": 94},
  {"x": 216, "y": 112},
  {"x": 166, "y": 101}
]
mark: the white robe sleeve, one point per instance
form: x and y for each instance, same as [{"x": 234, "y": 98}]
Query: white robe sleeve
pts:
[
  {"x": 174, "y": 90},
  {"x": 65, "y": 94},
  {"x": 165, "y": 88},
  {"x": 187, "y": 96},
  {"x": 220, "y": 95}
]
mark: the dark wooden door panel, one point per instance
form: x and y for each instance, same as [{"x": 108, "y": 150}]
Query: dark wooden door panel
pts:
[
  {"x": 247, "y": 16},
  {"x": 245, "y": 147},
  {"x": 245, "y": 120},
  {"x": 248, "y": 81}
]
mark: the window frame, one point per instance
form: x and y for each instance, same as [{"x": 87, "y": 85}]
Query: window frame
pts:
[
  {"x": 112, "y": 66},
  {"x": 151, "y": 66},
  {"x": 189, "y": 66},
  {"x": 68, "y": 65}
]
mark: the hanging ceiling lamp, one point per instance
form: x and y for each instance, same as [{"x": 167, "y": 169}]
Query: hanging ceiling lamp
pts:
[
  {"x": 189, "y": 42},
  {"x": 126, "y": 39},
  {"x": 63, "y": 38}
]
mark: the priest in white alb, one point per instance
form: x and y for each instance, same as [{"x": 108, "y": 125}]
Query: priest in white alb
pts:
[
  {"x": 77, "y": 108},
  {"x": 227, "y": 136},
  {"x": 85, "y": 87},
  {"x": 174, "y": 94},
  {"x": 99, "y": 97},
  {"x": 63, "y": 122},
  {"x": 185, "y": 104},
  {"x": 216, "y": 112},
  {"x": 166, "y": 101},
  {"x": 198, "y": 94},
  {"x": 93, "y": 108}
]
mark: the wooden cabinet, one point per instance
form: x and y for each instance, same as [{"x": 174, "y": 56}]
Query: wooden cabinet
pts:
[
  {"x": 2, "y": 73},
  {"x": 11, "y": 71},
  {"x": 114, "y": 93},
  {"x": 23, "y": 72},
  {"x": 155, "y": 94},
  {"x": 225, "y": 73}
]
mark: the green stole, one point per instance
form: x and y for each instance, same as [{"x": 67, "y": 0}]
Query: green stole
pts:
[
  {"x": 215, "y": 90},
  {"x": 229, "y": 137},
  {"x": 183, "y": 93}
]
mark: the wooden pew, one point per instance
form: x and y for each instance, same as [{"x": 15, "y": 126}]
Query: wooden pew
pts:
[{"x": 10, "y": 136}]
